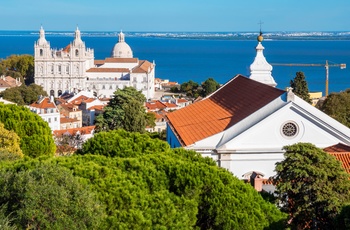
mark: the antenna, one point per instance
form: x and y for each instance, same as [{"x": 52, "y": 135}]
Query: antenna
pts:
[{"x": 260, "y": 23}]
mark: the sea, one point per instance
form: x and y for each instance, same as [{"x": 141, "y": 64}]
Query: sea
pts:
[{"x": 184, "y": 56}]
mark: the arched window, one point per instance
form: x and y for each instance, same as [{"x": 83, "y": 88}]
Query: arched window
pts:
[
  {"x": 59, "y": 92},
  {"x": 41, "y": 52},
  {"x": 52, "y": 92},
  {"x": 76, "y": 53}
]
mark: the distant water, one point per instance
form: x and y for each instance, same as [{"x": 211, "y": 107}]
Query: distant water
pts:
[{"x": 196, "y": 56}]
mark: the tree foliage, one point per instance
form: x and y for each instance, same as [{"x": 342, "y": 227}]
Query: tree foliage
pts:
[
  {"x": 299, "y": 86},
  {"x": 23, "y": 95},
  {"x": 337, "y": 105},
  {"x": 9, "y": 144},
  {"x": 35, "y": 134},
  {"x": 190, "y": 88},
  {"x": 22, "y": 64},
  {"x": 312, "y": 186},
  {"x": 141, "y": 184},
  {"x": 48, "y": 197},
  {"x": 209, "y": 86},
  {"x": 124, "y": 111}
]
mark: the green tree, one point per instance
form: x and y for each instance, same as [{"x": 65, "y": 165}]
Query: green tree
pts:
[
  {"x": 311, "y": 186},
  {"x": 124, "y": 111},
  {"x": 299, "y": 86},
  {"x": 35, "y": 134},
  {"x": 337, "y": 105},
  {"x": 48, "y": 197},
  {"x": 151, "y": 119},
  {"x": 9, "y": 144},
  {"x": 209, "y": 86},
  {"x": 24, "y": 95},
  {"x": 23, "y": 64},
  {"x": 190, "y": 88}
]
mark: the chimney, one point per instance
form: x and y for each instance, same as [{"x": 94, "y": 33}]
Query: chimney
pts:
[{"x": 256, "y": 181}]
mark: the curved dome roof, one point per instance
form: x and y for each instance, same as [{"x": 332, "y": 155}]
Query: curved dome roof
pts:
[{"x": 122, "y": 49}]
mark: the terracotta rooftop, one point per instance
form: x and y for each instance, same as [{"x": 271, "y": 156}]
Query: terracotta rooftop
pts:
[
  {"x": 342, "y": 153},
  {"x": 99, "y": 62},
  {"x": 82, "y": 130},
  {"x": 143, "y": 67},
  {"x": 108, "y": 70},
  {"x": 181, "y": 100},
  {"x": 96, "y": 107},
  {"x": 230, "y": 104},
  {"x": 43, "y": 103},
  {"x": 155, "y": 105},
  {"x": 121, "y": 60},
  {"x": 68, "y": 120}
]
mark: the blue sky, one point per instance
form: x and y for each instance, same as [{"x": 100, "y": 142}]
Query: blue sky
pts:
[{"x": 176, "y": 15}]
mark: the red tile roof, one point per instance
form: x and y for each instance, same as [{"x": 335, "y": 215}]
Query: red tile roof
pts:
[
  {"x": 233, "y": 102},
  {"x": 155, "y": 105},
  {"x": 108, "y": 70},
  {"x": 73, "y": 131},
  {"x": 143, "y": 67},
  {"x": 342, "y": 153},
  {"x": 68, "y": 120},
  {"x": 43, "y": 104},
  {"x": 121, "y": 60}
]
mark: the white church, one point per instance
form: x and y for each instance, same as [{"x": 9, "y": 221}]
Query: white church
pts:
[
  {"x": 244, "y": 125},
  {"x": 74, "y": 69}
]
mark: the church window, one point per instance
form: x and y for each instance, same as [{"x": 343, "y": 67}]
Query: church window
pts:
[
  {"x": 76, "y": 53},
  {"x": 59, "y": 69},
  {"x": 110, "y": 87},
  {"x": 67, "y": 69},
  {"x": 103, "y": 87},
  {"x": 41, "y": 52},
  {"x": 52, "y": 69},
  {"x": 290, "y": 129}
]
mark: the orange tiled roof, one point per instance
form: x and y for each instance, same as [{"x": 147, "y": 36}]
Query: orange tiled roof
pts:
[
  {"x": 233, "y": 102},
  {"x": 66, "y": 49},
  {"x": 154, "y": 105},
  {"x": 96, "y": 107},
  {"x": 43, "y": 104},
  {"x": 342, "y": 153},
  {"x": 108, "y": 70},
  {"x": 121, "y": 60},
  {"x": 99, "y": 62},
  {"x": 68, "y": 120},
  {"x": 73, "y": 131},
  {"x": 181, "y": 100},
  {"x": 3, "y": 83},
  {"x": 143, "y": 67}
]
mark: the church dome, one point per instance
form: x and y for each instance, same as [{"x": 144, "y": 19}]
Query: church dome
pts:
[{"x": 122, "y": 49}]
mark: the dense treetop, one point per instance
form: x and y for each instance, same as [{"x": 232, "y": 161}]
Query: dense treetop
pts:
[
  {"x": 299, "y": 87},
  {"x": 312, "y": 186},
  {"x": 141, "y": 183},
  {"x": 337, "y": 105},
  {"x": 124, "y": 111},
  {"x": 35, "y": 134}
]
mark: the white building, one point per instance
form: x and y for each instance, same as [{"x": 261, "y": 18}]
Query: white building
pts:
[
  {"x": 244, "y": 125},
  {"x": 46, "y": 108},
  {"x": 73, "y": 69}
]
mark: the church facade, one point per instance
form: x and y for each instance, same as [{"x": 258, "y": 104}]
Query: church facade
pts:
[
  {"x": 74, "y": 69},
  {"x": 245, "y": 124}
]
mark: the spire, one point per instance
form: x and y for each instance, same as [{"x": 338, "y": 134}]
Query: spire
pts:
[
  {"x": 121, "y": 37},
  {"x": 260, "y": 69},
  {"x": 42, "y": 40},
  {"x": 77, "y": 39}
]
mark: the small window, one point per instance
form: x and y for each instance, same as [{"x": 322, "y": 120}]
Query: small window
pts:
[
  {"x": 49, "y": 120},
  {"x": 41, "y": 52},
  {"x": 76, "y": 53},
  {"x": 289, "y": 129}
]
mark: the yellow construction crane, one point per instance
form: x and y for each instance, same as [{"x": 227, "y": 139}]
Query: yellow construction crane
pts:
[{"x": 326, "y": 66}]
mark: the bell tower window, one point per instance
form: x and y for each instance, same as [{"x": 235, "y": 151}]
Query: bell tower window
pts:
[
  {"x": 76, "y": 53},
  {"x": 41, "y": 52}
]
